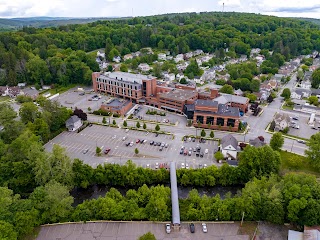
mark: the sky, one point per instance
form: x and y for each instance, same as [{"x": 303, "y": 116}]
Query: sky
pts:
[{"x": 123, "y": 8}]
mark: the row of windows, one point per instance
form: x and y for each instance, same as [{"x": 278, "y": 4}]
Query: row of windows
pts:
[{"x": 120, "y": 84}]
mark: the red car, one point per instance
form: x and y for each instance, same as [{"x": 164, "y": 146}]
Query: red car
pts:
[
  {"x": 138, "y": 141},
  {"x": 107, "y": 150}
]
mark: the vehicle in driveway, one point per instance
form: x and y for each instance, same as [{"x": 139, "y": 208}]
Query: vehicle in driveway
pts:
[
  {"x": 168, "y": 228},
  {"x": 192, "y": 228},
  {"x": 85, "y": 151},
  {"x": 107, "y": 150},
  {"x": 204, "y": 227}
]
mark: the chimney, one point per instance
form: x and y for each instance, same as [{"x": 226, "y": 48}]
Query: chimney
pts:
[{"x": 214, "y": 93}]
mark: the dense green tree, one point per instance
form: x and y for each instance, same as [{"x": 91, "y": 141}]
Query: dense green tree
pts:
[
  {"x": 157, "y": 127},
  {"x": 203, "y": 133},
  {"x": 277, "y": 141},
  {"x": 315, "y": 79},
  {"x": 313, "y": 153},
  {"x": 7, "y": 231},
  {"x": 211, "y": 134},
  {"x": 125, "y": 124},
  {"x": 286, "y": 93},
  {"x": 28, "y": 112},
  {"x": 226, "y": 89},
  {"x": 144, "y": 126},
  {"x": 38, "y": 71},
  {"x": 7, "y": 114},
  {"x": 138, "y": 124},
  {"x": 147, "y": 236},
  {"x": 313, "y": 100},
  {"x": 193, "y": 70},
  {"x": 124, "y": 67}
]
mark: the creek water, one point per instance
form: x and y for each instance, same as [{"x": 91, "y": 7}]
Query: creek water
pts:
[{"x": 95, "y": 191}]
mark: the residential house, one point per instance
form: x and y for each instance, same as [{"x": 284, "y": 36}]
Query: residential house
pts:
[
  {"x": 313, "y": 68},
  {"x": 299, "y": 93},
  {"x": 282, "y": 121},
  {"x": 116, "y": 59},
  {"x": 73, "y": 123},
  {"x": 22, "y": 85},
  {"x": 229, "y": 147},
  {"x": 263, "y": 95},
  {"x": 238, "y": 92},
  {"x": 127, "y": 57},
  {"x": 136, "y": 54},
  {"x": 208, "y": 75},
  {"x": 182, "y": 66},
  {"x": 257, "y": 142},
  {"x": 199, "y": 62},
  {"x": 162, "y": 56},
  {"x": 144, "y": 67},
  {"x": 206, "y": 58},
  {"x": 169, "y": 77},
  {"x": 305, "y": 84},
  {"x": 101, "y": 54},
  {"x": 259, "y": 59},
  {"x": 179, "y": 76},
  {"x": 197, "y": 52},
  {"x": 197, "y": 80},
  {"x": 315, "y": 92},
  {"x": 46, "y": 87},
  {"x": 254, "y": 51},
  {"x": 243, "y": 58},
  {"x": 278, "y": 77},
  {"x": 10, "y": 91},
  {"x": 169, "y": 58},
  {"x": 33, "y": 93},
  {"x": 178, "y": 58},
  {"x": 188, "y": 55}
]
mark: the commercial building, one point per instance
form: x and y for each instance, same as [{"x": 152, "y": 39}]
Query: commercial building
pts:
[{"x": 119, "y": 106}]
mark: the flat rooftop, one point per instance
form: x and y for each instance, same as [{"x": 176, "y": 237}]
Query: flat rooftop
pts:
[
  {"x": 129, "y": 77},
  {"x": 206, "y": 103},
  {"x": 225, "y": 98},
  {"x": 116, "y": 103},
  {"x": 178, "y": 94}
]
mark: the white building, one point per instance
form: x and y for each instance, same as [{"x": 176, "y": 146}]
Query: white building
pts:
[
  {"x": 229, "y": 147},
  {"x": 162, "y": 56},
  {"x": 73, "y": 123},
  {"x": 144, "y": 67},
  {"x": 117, "y": 59},
  {"x": 178, "y": 58},
  {"x": 101, "y": 54}
]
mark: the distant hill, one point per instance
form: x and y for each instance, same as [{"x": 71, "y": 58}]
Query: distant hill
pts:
[
  {"x": 313, "y": 20},
  {"x": 7, "y": 24}
]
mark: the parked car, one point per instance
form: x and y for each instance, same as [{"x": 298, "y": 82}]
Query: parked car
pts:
[
  {"x": 157, "y": 165},
  {"x": 184, "y": 138},
  {"x": 201, "y": 154},
  {"x": 206, "y": 151},
  {"x": 124, "y": 138},
  {"x": 131, "y": 144},
  {"x": 182, "y": 165},
  {"x": 147, "y": 133},
  {"x": 301, "y": 141},
  {"x": 162, "y": 144},
  {"x": 127, "y": 144},
  {"x": 159, "y": 144},
  {"x": 157, "y": 134},
  {"x": 127, "y": 130},
  {"x": 166, "y": 145},
  {"x": 168, "y": 228},
  {"x": 181, "y": 151},
  {"x": 295, "y": 118},
  {"x": 152, "y": 142},
  {"x": 185, "y": 152},
  {"x": 138, "y": 140},
  {"x": 187, "y": 166},
  {"x": 161, "y": 148},
  {"x": 193, "y": 139},
  {"x": 204, "y": 227},
  {"x": 190, "y": 153},
  {"x": 85, "y": 151},
  {"x": 90, "y": 124},
  {"x": 192, "y": 228},
  {"x": 107, "y": 150},
  {"x": 145, "y": 140}
]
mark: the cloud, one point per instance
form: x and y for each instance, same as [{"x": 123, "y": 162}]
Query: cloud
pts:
[{"x": 298, "y": 9}]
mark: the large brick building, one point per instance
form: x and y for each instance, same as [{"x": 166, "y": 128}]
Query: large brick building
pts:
[{"x": 208, "y": 109}]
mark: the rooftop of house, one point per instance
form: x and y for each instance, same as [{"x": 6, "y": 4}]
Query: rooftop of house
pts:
[
  {"x": 72, "y": 120},
  {"x": 225, "y": 110},
  {"x": 278, "y": 117},
  {"x": 256, "y": 142},
  {"x": 179, "y": 94},
  {"x": 229, "y": 140},
  {"x": 227, "y": 98}
]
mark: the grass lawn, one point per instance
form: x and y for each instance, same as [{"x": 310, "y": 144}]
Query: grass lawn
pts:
[
  {"x": 60, "y": 89},
  {"x": 285, "y": 107},
  {"x": 4, "y": 98},
  {"x": 291, "y": 162}
]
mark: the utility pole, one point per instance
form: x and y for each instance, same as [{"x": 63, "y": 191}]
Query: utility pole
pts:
[
  {"x": 242, "y": 219},
  {"x": 223, "y": 7}
]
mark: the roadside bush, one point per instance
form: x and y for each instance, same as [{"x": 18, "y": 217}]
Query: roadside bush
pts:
[
  {"x": 116, "y": 115},
  {"x": 101, "y": 112}
]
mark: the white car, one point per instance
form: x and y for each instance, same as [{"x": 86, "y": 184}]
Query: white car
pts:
[
  {"x": 168, "y": 228},
  {"x": 148, "y": 165},
  {"x": 131, "y": 144},
  {"x": 164, "y": 120},
  {"x": 204, "y": 165},
  {"x": 182, "y": 165},
  {"x": 187, "y": 166},
  {"x": 157, "y": 165},
  {"x": 204, "y": 227},
  {"x": 206, "y": 151},
  {"x": 124, "y": 138}
]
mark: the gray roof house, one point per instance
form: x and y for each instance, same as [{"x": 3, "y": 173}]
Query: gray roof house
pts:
[
  {"x": 73, "y": 123},
  {"x": 281, "y": 120},
  {"x": 229, "y": 146},
  {"x": 256, "y": 142}
]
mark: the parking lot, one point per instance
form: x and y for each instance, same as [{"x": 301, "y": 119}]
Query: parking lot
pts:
[
  {"x": 108, "y": 137},
  {"x": 305, "y": 130},
  {"x": 133, "y": 230},
  {"x": 74, "y": 99}
]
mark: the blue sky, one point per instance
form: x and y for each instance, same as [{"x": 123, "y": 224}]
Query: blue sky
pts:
[{"x": 121, "y": 8}]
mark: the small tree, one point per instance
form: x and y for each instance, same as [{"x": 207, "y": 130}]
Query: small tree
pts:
[
  {"x": 157, "y": 128},
  {"x": 212, "y": 134},
  {"x": 203, "y": 133},
  {"x": 125, "y": 124},
  {"x": 218, "y": 156},
  {"x": 89, "y": 109},
  {"x": 276, "y": 141},
  {"x": 144, "y": 126},
  {"x": 286, "y": 93},
  {"x": 138, "y": 125},
  {"x": 104, "y": 121},
  {"x": 98, "y": 151},
  {"x": 147, "y": 236},
  {"x": 114, "y": 122},
  {"x": 136, "y": 151}
]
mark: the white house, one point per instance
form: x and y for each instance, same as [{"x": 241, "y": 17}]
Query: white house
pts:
[
  {"x": 22, "y": 85},
  {"x": 229, "y": 147},
  {"x": 162, "y": 56},
  {"x": 169, "y": 77},
  {"x": 188, "y": 55},
  {"x": 101, "y": 54},
  {"x": 178, "y": 58},
  {"x": 73, "y": 123},
  {"x": 182, "y": 66},
  {"x": 117, "y": 59},
  {"x": 208, "y": 75},
  {"x": 127, "y": 57},
  {"x": 199, "y": 62},
  {"x": 197, "y": 52},
  {"x": 306, "y": 84},
  {"x": 179, "y": 76},
  {"x": 144, "y": 67},
  {"x": 169, "y": 58},
  {"x": 282, "y": 120}
]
